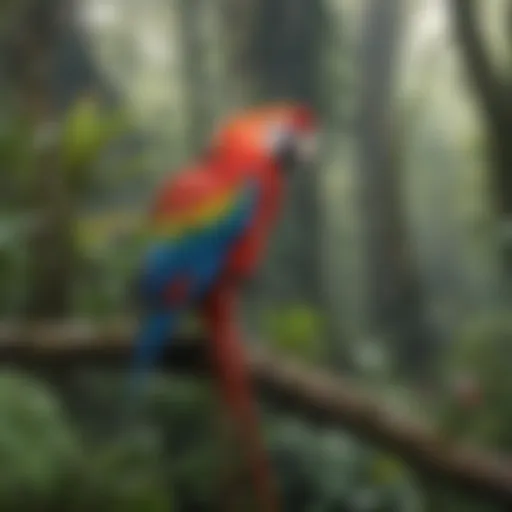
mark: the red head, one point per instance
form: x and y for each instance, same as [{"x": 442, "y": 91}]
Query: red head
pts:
[{"x": 281, "y": 135}]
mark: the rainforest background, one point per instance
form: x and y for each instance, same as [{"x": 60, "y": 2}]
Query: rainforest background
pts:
[{"x": 392, "y": 264}]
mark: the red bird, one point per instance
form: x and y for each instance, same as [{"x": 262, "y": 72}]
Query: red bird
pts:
[{"x": 209, "y": 227}]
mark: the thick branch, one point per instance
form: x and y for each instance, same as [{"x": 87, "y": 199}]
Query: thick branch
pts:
[
  {"x": 325, "y": 398},
  {"x": 488, "y": 85}
]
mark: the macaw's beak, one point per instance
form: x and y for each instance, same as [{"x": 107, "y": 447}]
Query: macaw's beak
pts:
[{"x": 301, "y": 152}]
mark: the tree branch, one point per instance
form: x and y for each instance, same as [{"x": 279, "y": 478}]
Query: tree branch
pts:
[
  {"x": 490, "y": 89},
  {"x": 310, "y": 392}
]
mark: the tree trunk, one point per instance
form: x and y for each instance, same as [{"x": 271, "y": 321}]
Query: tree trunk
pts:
[
  {"x": 286, "y": 50},
  {"x": 394, "y": 298},
  {"x": 492, "y": 92},
  {"x": 32, "y": 69},
  {"x": 198, "y": 82}
]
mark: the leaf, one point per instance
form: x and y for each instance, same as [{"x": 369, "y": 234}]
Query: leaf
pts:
[
  {"x": 296, "y": 330},
  {"x": 86, "y": 132},
  {"x": 386, "y": 470},
  {"x": 80, "y": 132},
  {"x": 99, "y": 230}
]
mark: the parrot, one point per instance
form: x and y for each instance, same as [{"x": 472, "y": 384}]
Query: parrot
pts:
[{"x": 208, "y": 228}]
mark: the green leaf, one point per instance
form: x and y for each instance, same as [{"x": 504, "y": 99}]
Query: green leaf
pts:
[
  {"x": 87, "y": 131},
  {"x": 100, "y": 230},
  {"x": 386, "y": 470},
  {"x": 80, "y": 132},
  {"x": 295, "y": 330}
]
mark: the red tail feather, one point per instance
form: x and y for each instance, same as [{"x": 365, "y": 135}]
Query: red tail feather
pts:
[{"x": 229, "y": 360}]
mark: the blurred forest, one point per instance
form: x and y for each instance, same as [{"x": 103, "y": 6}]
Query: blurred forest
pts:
[{"x": 392, "y": 263}]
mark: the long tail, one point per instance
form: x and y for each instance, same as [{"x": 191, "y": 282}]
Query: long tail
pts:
[
  {"x": 155, "y": 330},
  {"x": 229, "y": 360}
]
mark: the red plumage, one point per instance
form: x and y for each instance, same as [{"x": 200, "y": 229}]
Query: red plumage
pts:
[{"x": 246, "y": 146}]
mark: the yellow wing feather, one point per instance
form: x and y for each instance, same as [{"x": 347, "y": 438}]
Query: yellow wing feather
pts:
[{"x": 179, "y": 224}]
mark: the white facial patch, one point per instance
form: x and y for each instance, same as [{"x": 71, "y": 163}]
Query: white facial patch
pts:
[
  {"x": 302, "y": 146},
  {"x": 278, "y": 137}
]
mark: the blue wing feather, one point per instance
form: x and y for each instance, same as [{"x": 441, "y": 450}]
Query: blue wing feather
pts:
[{"x": 199, "y": 256}]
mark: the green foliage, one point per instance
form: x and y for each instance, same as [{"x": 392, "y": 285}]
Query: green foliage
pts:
[
  {"x": 17, "y": 158},
  {"x": 86, "y": 132},
  {"x": 172, "y": 462},
  {"x": 14, "y": 232},
  {"x": 175, "y": 443},
  {"x": 38, "y": 448},
  {"x": 49, "y": 460},
  {"x": 82, "y": 139},
  {"x": 295, "y": 330},
  {"x": 327, "y": 470},
  {"x": 124, "y": 475},
  {"x": 78, "y": 144},
  {"x": 482, "y": 353},
  {"x": 93, "y": 150},
  {"x": 187, "y": 415},
  {"x": 485, "y": 343},
  {"x": 102, "y": 288}
]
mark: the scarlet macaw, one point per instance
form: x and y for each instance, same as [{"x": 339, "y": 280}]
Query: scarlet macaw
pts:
[{"x": 209, "y": 226}]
